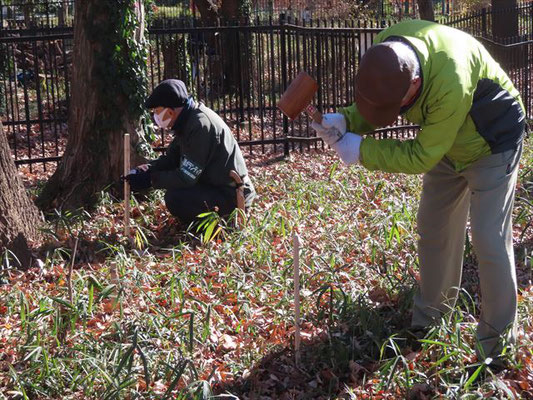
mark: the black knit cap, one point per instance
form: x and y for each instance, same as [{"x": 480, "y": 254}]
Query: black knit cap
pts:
[{"x": 170, "y": 93}]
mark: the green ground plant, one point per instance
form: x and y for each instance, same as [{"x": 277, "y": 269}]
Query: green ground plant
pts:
[{"x": 195, "y": 315}]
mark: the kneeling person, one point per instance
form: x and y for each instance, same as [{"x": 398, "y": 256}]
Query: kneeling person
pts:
[{"x": 196, "y": 169}]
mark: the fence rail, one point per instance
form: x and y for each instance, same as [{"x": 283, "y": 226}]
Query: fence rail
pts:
[
  {"x": 39, "y": 13},
  {"x": 51, "y": 13},
  {"x": 18, "y": 14},
  {"x": 239, "y": 71},
  {"x": 496, "y": 24}
]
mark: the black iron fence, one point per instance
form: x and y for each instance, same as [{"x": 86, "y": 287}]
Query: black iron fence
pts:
[
  {"x": 35, "y": 94},
  {"x": 382, "y": 9},
  {"x": 51, "y": 13},
  {"x": 239, "y": 71},
  {"x": 19, "y": 14},
  {"x": 496, "y": 23}
]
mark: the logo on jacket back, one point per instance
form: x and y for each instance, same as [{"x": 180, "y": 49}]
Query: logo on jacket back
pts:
[{"x": 190, "y": 169}]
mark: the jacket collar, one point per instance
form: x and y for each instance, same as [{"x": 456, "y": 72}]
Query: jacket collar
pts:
[{"x": 182, "y": 119}]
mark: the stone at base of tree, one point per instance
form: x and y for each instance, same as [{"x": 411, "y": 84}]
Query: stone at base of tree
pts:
[{"x": 22, "y": 255}]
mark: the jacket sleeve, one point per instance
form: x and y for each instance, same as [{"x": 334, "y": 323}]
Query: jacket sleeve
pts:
[
  {"x": 355, "y": 122},
  {"x": 444, "y": 117},
  {"x": 196, "y": 153},
  {"x": 167, "y": 161}
]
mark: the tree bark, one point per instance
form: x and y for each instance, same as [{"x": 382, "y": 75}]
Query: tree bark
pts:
[
  {"x": 208, "y": 11},
  {"x": 63, "y": 13},
  {"x": 235, "y": 59},
  {"x": 425, "y": 8},
  {"x": 504, "y": 18},
  {"x": 27, "y": 10},
  {"x": 19, "y": 217},
  {"x": 93, "y": 158},
  {"x": 176, "y": 59},
  {"x": 230, "y": 9}
]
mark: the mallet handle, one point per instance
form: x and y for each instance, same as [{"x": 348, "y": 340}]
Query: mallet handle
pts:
[{"x": 314, "y": 113}]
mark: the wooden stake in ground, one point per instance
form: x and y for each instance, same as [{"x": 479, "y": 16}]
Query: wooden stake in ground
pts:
[
  {"x": 69, "y": 275},
  {"x": 296, "y": 242},
  {"x": 111, "y": 303},
  {"x": 241, "y": 212},
  {"x": 126, "y": 185}
]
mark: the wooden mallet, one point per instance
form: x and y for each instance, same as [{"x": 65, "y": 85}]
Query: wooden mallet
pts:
[{"x": 298, "y": 97}]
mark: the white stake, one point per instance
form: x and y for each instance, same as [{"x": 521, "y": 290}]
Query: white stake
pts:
[
  {"x": 126, "y": 185},
  {"x": 297, "y": 242}
]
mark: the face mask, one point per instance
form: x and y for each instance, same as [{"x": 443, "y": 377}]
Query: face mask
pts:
[{"x": 160, "y": 121}]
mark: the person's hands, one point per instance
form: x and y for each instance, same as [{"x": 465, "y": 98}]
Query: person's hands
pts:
[
  {"x": 332, "y": 128},
  {"x": 138, "y": 179},
  {"x": 328, "y": 135},
  {"x": 143, "y": 167},
  {"x": 334, "y": 120},
  {"x": 348, "y": 148}
]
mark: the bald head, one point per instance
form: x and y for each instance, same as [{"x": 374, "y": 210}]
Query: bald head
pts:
[{"x": 406, "y": 56}]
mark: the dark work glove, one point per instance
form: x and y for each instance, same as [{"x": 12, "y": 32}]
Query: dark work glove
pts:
[{"x": 139, "y": 180}]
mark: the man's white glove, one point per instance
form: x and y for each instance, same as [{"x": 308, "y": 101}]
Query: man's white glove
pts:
[
  {"x": 332, "y": 129},
  {"x": 333, "y": 132},
  {"x": 348, "y": 148},
  {"x": 334, "y": 120}
]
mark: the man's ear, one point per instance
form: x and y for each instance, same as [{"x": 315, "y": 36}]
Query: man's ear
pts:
[
  {"x": 175, "y": 113},
  {"x": 168, "y": 114}
]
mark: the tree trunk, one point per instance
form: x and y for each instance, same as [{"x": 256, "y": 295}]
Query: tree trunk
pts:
[
  {"x": 102, "y": 107},
  {"x": 504, "y": 19},
  {"x": 425, "y": 9},
  {"x": 176, "y": 59},
  {"x": 208, "y": 11},
  {"x": 230, "y": 9},
  {"x": 63, "y": 13},
  {"x": 27, "y": 10},
  {"x": 505, "y": 29},
  {"x": 19, "y": 218},
  {"x": 236, "y": 46}
]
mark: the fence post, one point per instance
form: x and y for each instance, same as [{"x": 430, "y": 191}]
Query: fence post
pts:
[
  {"x": 531, "y": 20},
  {"x": 484, "y": 22},
  {"x": 319, "y": 71},
  {"x": 527, "y": 83},
  {"x": 239, "y": 74},
  {"x": 283, "y": 45}
]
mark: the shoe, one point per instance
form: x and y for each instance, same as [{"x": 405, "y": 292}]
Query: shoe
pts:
[
  {"x": 499, "y": 364},
  {"x": 490, "y": 367},
  {"x": 413, "y": 336}
]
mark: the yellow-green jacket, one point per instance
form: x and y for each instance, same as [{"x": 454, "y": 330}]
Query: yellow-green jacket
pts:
[{"x": 467, "y": 107}]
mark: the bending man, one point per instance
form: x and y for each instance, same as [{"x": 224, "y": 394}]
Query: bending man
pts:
[{"x": 472, "y": 125}]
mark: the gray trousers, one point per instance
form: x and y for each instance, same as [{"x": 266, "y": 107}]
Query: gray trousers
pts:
[{"x": 485, "y": 190}]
